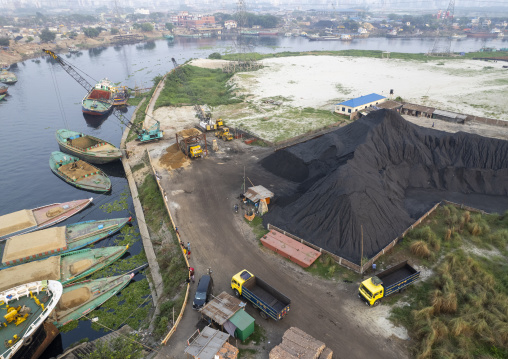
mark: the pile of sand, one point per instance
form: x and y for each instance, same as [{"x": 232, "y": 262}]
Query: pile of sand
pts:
[
  {"x": 174, "y": 158},
  {"x": 189, "y": 132},
  {"x": 359, "y": 175}
]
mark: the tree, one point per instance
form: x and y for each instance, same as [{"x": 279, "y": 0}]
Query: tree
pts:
[
  {"x": 114, "y": 31},
  {"x": 215, "y": 56},
  {"x": 170, "y": 26},
  {"x": 91, "y": 32},
  {"x": 29, "y": 39},
  {"x": 72, "y": 35},
  {"x": 4, "y": 41},
  {"x": 47, "y": 36},
  {"x": 146, "y": 27}
]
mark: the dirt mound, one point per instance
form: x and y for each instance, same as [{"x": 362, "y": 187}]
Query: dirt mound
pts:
[
  {"x": 189, "y": 132},
  {"x": 358, "y": 175},
  {"x": 174, "y": 158}
]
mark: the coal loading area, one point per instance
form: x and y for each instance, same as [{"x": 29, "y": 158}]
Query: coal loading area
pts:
[{"x": 381, "y": 173}]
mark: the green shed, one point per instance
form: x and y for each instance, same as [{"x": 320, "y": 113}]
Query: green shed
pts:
[{"x": 244, "y": 324}]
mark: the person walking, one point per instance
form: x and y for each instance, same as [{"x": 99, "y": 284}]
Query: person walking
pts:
[
  {"x": 188, "y": 255},
  {"x": 188, "y": 246},
  {"x": 176, "y": 231},
  {"x": 191, "y": 272}
]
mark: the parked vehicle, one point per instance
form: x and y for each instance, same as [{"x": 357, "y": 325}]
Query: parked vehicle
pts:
[
  {"x": 270, "y": 302},
  {"x": 203, "y": 291},
  {"x": 393, "y": 279}
]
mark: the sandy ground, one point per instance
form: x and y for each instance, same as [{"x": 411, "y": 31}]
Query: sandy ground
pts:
[{"x": 319, "y": 82}]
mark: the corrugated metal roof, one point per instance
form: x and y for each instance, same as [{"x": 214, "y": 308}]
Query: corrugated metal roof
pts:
[
  {"x": 362, "y": 100},
  {"x": 449, "y": 114},
  {"x": 207, "y": 344},
  {"x": 222, "y": 307},
  {"x": 258, "y": 192}
]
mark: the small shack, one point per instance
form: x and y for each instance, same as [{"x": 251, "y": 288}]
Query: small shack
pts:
[
  {"x": 244, "y": 324},
  {"x": 417, "y": 110},
  {"x": 210, "y": 344},
  {"x": 449, "y": 116},
  {"x": 258, "y": 193},
  {"x": 220, "y": 311}
]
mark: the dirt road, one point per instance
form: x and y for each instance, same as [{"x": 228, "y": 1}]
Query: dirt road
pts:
[{"x": 201, "y": 198}]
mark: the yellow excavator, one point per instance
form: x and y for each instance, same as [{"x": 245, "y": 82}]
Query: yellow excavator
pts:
[{"x": 224, "y": 134}]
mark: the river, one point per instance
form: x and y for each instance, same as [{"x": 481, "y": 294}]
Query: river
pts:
[{"x": 46, "y": 98}]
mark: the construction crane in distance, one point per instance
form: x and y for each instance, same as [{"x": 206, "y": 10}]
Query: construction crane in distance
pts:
[{"x": 143, "y": 135}]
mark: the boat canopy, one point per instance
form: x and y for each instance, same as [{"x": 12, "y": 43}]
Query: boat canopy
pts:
[{"x": 16, "y": 221}]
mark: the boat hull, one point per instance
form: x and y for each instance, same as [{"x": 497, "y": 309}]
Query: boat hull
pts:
[
  {"x": 86, "y": 177},
  {"x": 90, "y": 151},
  {"x": 98, "y": 291},
  {"x": 22, "y": 295},
  {"x": 43, "y": 217}
]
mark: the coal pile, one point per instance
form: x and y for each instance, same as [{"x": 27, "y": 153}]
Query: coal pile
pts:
[{"x": 358, "y": 175}]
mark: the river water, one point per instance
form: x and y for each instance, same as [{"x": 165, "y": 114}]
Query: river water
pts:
[{"x": 46, "y": 98}]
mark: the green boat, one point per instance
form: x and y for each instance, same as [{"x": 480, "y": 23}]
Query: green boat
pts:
[
  {"x": 65, "y": 268},
  {"x": 169, "y": 37},
  {"x": 86, "y": 147},
  {"x": 23, "y": 310},
  {"x": 2, "y": 97},
  {"x": 8, "y": 77},
  {"x": 79, "y": 173},
  {"x": 79, "y": 299},
  {"x": 56, "y": 240}
]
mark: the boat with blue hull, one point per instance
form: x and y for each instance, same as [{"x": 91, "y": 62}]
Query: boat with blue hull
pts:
[{"x": 79, "y": 173}]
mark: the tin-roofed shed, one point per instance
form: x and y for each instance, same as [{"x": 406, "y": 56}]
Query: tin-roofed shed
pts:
[
  {"x": 244, "y": 324},
  {"x": 206, "y": 344},
  {"x": 257, "y": 193}
]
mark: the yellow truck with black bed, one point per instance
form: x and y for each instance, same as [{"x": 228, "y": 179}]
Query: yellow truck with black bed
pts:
[
  {"x": 391, "y": 280},
  {"x": 270, "y": 302}
]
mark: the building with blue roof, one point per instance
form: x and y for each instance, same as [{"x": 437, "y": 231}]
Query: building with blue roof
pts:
[{"x": 356, "y": 104}]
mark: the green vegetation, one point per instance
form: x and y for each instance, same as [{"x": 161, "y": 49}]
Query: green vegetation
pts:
[
  {"x": 91, "y": 32},
  {"x": 47, "y": 36},
  {"x": 257, "y": 226},
  {"x": 153, "y": 203},
  {"x": 4, "y": 41},
  {"x": 119, "y": 204},
  {"x": 169, "y": 26},
  {"x": 190, "y": 85},
  {"x": 257, "y": 337},
  {"x": 134, "y": 101},
  {"x": 326, "y": 267},
  {"x": 117, "y": 348},
  {"x": 363, "y": 53},
  {"x": 137, "y": 167},
  {"x": 246, "y": 353},
  {"x": 140, "y": 114},
  {"x": 114, "y": 31},
  {"x": 462, "y": 310},
  {"x": 146, "y": 27},
  {"x": 215, "y": 55}
]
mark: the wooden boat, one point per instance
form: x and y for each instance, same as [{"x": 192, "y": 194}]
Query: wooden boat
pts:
[
  {"x": 57, "y": 240},
  {"x": 79, "y": 299},
  {"x": 120, "y": 95},
  {"x": 99, "y": 101},
  {"x": 65, "y": 268},
  {"x": 86, "y": 147},
  {"x": 28, "y": 220},
  {"x": 78, "y": 172},
  {"x": 24, "y": 309},
  {"x": 3, "y": 89},
  {"x": 2, "y": 97},
  {"x": 8, "y": 77}
]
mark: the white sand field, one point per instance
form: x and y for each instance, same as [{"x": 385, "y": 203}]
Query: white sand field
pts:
[{"x": 466, "y": 86}]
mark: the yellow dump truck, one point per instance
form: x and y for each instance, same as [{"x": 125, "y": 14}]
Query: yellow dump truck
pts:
[
  {"x": 193, "y": 151},
  {"x": 393, "y": 279},
  {"x": 270, "y": 302}
]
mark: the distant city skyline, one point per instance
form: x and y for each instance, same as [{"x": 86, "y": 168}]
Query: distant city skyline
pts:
[{"x": 164, "y": 5}]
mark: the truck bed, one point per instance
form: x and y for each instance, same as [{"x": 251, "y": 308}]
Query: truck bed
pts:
[
  {"x": 395, "y": 274},
  {"x": 267, "y": 294}
]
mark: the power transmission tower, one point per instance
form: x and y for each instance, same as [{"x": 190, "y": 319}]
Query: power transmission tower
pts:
[{"x": 442, "y": 45}]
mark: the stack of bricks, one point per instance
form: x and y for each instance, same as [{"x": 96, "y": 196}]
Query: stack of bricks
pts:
[{"x": 296, "y": 344}]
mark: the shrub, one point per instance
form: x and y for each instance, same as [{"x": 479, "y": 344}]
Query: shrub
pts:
[
  {"x": 420, "y": 249},
  {"x": 448, "y": 234},
  {"x": 215, "y": 56}
]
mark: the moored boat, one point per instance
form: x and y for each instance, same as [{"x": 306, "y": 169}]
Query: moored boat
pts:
[
  {"x": 28, "y": 220},
  {"x": 3, "y": 89},
  {"x": 99, "y": 101},
  {"x": 2, "y": 97},
  {"x": 73, "y": 49},
  {"x": 78, "y": 172},
  {"x": 169, "y": 37},
  {"x": 120, "y": 95},
  {"x": 65, "y": 268},
  {"x": 79, "y": 299},
  {"x": 86, "y": 147},
  {"x": 25, "y": 308},
  {"x": 57, "y": 240},
  {"x": 7, "y": 77}
]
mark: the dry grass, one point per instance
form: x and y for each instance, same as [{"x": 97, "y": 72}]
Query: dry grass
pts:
[{"x": 420, "y": 249}]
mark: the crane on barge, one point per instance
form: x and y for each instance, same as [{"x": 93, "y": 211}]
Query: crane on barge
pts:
[{"x": 143, "y": 135}]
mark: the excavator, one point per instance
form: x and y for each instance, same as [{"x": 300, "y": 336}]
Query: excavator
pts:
[{"x": 143, "y": 135}]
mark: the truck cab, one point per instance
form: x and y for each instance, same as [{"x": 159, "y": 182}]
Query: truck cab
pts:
[
  {"x": 195, "y": 151},
  {"x": 238, "y": 280},
  {"x": 370, "y": 291}
]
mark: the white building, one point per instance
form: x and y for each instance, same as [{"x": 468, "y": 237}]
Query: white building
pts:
[{"x": 356, "y": 104}]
